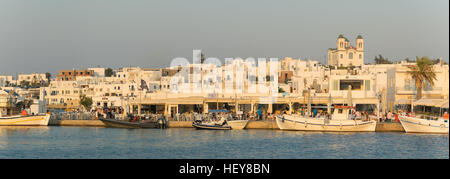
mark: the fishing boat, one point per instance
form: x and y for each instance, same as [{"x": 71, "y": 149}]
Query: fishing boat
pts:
[
  {"x": 339, "y": 122},
  {"x": 19, "y": 120},
  {"x": 159, "y": 124},
  {"x": 428, "y": 125},
  {"x": 10, "y": 114}
]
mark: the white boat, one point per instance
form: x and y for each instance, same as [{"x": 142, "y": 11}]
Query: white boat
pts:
[
  {"x": 35, "y": 120},
  {"x": 238, "y": 124},
  {"x": 418, "y": 125},
  {"x": 234, "y": 124},
  {"x": 338, "y": 123},
  {"x": 10, "y": 113}
]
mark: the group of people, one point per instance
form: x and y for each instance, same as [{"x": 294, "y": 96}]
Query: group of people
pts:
[{"x": 110, "y": 113}]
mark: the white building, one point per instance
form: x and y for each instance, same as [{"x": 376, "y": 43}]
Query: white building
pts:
[
  {"x": 98, "y": 72},
  {"x": 32, "y": 78},
  {"x": 5, "y": 79}
]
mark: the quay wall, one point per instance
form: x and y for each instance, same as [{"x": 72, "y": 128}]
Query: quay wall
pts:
[
  {"x": 93, "y": 123},
  {"x": 389, "y": 127},
  {"x": 269, "y": 124},
  {"x": 266, "y": 124}
]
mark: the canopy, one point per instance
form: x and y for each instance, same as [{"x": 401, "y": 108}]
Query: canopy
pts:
[
  {"x": 218, "y": 110},
  {"x": 403, "y": 101},
  {"x": 429, "y": 102},
  {"x": 444, "y": 104}
]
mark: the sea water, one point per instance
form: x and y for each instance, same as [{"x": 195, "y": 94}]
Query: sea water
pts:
[{"x": 185, "y": 143}]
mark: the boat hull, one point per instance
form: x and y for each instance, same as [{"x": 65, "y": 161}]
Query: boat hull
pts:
[
  {"x": 132, "y": 125},
  {"x": 36, "y": 120},
  {"x": 417, "y": 125},
  {"x": 210, "y": 127},
  {"x": 238, "y": 124},
  {"x": 288, "y": 122}
]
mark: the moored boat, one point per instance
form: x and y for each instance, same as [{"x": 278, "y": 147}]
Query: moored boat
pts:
[
  {"x": 198, "y": 125},
  {"x": 160, "y": 123},
  {"x": 237, "y": 124},
  {"x": 338, "y": 123},
  {"x": 34, "y": 120},
  {"x": 14, "y": 111},
  {"x": 418, "y": 125}
]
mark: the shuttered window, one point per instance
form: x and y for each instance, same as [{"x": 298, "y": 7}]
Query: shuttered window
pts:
[{"x": 367, "y": 85}]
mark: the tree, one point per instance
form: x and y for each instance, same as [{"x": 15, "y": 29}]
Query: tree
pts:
[
  {"x": 381, "y": 60},
  {"x": 48, "y": 75},
  {"x": 109, "y": 72},
  {"x": 422, "y": 72},
  {"x": 202, "y": 58},
  {"x": 24, "y": 83},
  {"x": 86, "y": 102},
  {"x": 408, "y": 60}
]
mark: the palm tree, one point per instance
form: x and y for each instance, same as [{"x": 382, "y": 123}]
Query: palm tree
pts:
[{"x": 422, "y": 72}]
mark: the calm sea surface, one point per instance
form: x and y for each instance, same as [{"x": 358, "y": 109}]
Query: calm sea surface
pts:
[{"x": 91, "y": 142}]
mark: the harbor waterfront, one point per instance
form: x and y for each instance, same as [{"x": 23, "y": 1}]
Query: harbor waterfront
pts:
[
  {"x": 249, "y": 82},
  {"x": 264, "y": 124},
  {"x": 187, "y": 143}
]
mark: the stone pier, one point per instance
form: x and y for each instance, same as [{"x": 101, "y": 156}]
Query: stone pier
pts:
[{"x": 265, "y": 124}]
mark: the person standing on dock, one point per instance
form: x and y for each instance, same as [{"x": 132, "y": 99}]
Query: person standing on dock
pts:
[
  {"x": 389, "y": 116},
  {"x": 259, "y": 114}
]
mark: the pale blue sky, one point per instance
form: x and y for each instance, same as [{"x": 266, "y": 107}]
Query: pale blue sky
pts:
[{"x": 48, "y": 35}]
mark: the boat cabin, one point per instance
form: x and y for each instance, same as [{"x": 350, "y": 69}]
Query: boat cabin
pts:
[
  {"x": 7, "y": 104},
  {"x": 342, "y": 112}
]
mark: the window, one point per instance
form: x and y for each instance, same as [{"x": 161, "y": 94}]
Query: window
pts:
[
  {"x": 342, "y": 56},
  {"x": 350, "y": 55},
  {"x": 335, "y": 85},
  {"x": 367, "y": 85},
  {"x": 360, "y": 56}
]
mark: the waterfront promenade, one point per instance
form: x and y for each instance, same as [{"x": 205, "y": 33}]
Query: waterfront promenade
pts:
[{"x": 264, "y": 124}]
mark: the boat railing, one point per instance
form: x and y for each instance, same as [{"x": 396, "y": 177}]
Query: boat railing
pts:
[
  {"x": 204, "y": 117},
  {"x": 427, "y": 117},
  {"x": 71, "y": 116}
]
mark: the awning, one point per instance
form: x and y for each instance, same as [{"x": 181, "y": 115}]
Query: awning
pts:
[
  {"x": 444, "y": 104},
  {"x": 403, "y": 101},
  {"x": 429, "y": 102}
]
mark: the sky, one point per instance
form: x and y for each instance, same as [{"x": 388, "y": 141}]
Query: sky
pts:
[{"x": 50, "y": 35}]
